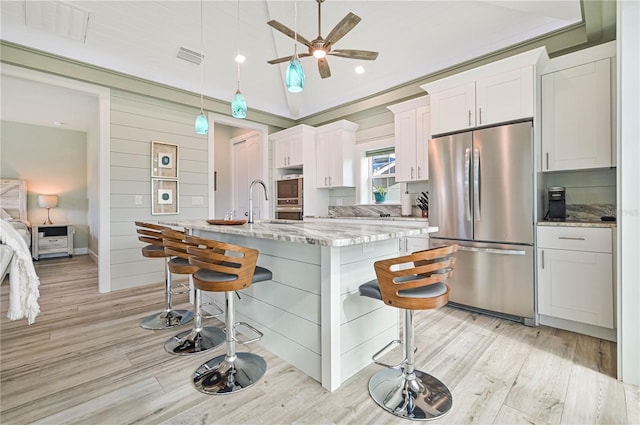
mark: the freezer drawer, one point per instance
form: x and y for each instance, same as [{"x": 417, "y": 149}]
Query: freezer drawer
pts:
[{"x": 494, "y": 277}]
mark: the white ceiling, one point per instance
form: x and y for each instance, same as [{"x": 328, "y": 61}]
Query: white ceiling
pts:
[{"x": 413, "y": 38}]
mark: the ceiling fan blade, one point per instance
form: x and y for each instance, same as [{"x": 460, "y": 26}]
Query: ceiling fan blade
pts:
[
  {"x": 280, "y": 60},
  {"x": 323, "y": 67},
  {"x": 342, "y": 28},
  {"x": 355, "y": 54},
  {"x": 287, "y": 58},
  {"x": 288, "y": 32}
]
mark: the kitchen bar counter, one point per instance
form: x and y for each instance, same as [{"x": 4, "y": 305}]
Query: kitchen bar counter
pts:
[
  {"x": 311, "y": 312},
  {"x": 312, "y": 232}
]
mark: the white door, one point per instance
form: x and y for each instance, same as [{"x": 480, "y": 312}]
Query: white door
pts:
[{"x": 247, "y": 166}]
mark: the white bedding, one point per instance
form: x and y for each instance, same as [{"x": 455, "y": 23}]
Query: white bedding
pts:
[{"x": 23, "y": 280}]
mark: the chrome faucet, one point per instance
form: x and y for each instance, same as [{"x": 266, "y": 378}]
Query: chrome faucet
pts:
[{"x": 266, "y": 198}]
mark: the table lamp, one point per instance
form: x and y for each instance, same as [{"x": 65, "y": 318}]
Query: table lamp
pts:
[{"x": 48, "y": 202}]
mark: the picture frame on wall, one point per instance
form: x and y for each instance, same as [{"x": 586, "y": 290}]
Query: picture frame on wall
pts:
[
  {"x": 164, "y": 196},
  {"x": 164, "y": 160}
]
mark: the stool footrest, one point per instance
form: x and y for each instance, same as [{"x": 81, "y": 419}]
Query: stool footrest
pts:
[
  {"x": 252, "y": 329},
  {"x": 212, "y": 315},
  {"x": 376, "y": 357},
  {"x": 184, "y": 290}
]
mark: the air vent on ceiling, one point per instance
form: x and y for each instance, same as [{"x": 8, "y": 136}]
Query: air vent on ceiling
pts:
[
  {"x": 190, "y": 55},
  {"x": 57, "y": 17}
]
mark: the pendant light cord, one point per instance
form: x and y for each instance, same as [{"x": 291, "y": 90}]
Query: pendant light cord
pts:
[
  {"x": 201, "y": 61},
  {"x": 238, "y": 45},
  {"x": 295, "y": 28}
]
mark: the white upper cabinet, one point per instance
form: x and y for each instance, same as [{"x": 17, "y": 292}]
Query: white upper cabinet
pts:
[
  {"x": 289, "y": 146},
  {"x": 490, "y": 100},
  {"x": 335, "y": 154},
  {"x": 577, "y": 117},
  {"x": 498, "y": 92},
  {"x": 412, "y": 128}
]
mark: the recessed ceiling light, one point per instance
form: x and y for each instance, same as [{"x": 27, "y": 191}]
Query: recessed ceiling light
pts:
[
  {"x": 359, "y": 70},
  {"x": 240, "y": 58},
  {"x": 59, "y": 123}
]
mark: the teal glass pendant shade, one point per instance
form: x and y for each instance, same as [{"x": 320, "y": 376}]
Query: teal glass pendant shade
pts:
[
  {"x": 202, "y": 124},
  {"x": 295, "y": 76},
  {"x": 239, "y": 106}
]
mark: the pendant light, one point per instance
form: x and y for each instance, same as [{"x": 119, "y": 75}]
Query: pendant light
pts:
[
  {"x": 239, "y": 103},
  {"x": 202, "y": 124},
  {"x": 295, "y": 72}
]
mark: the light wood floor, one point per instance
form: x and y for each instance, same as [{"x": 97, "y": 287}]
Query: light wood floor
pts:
[{"x": 87, "y": 361}]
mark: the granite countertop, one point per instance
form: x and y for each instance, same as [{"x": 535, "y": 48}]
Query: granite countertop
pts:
[
  {"x": 313, "y": 233},
  {"x": 578, "y": 223},
  {"x": 393, "y": 218}
]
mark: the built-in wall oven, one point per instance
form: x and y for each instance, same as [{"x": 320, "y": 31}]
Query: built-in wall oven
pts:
[{"x": 289, "y": 198}]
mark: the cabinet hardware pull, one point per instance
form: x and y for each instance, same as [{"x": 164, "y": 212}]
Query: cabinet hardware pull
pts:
[
  {"x": 480, "y": 113},
  {"x": 325, "y": 180},
  {"x": 329, "y": 180},
  {"x": 469, "y": 117},
  {"x": 411, "y": 173},
  {"x": 542, "y": 252},
  {"x": 419, "y": 172},
  {"x": 570, "y": 238},
  {"x": 547, "y": 160}
]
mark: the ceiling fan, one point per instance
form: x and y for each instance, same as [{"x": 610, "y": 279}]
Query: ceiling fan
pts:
[{"x": 321, "y": 47}]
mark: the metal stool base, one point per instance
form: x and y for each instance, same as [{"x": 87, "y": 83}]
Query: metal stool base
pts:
[
  {"x": 422, "y": 399},
  {"x": 219, "y": 376},
  {"x": 195, "y": 342},
  {"x": 167, "y": 319}
]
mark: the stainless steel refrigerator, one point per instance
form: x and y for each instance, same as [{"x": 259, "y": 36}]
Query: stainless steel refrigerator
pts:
[{"x": 481, "y": 197}]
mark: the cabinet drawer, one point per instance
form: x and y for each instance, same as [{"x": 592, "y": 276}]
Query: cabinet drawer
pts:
[
  {"x": 53, "y": 243},
  {"x": 575, "y": 238}
]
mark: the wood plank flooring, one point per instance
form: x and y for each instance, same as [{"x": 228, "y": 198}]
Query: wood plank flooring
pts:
[{"x": 86, "y": 360}]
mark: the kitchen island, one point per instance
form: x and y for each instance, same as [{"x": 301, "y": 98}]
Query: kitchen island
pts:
[{"x": 311, "y": 313}]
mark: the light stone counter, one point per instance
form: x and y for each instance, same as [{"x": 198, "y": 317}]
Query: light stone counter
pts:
[
  {"x": 313, "y": 232},
  {"x": 311, "y": 312},
  {"x": 606, "y": 224}
]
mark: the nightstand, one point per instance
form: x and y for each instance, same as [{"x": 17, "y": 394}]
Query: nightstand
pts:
[{"x": 51, "y": 239}]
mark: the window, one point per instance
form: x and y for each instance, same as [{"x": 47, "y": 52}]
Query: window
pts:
[{"x": 382, "y": 174}]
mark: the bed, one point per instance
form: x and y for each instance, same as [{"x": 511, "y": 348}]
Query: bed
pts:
[{"x": 15, "y": 255}]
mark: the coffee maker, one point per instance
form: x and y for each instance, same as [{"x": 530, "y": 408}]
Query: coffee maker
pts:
[{"x": 557, "y": 204}]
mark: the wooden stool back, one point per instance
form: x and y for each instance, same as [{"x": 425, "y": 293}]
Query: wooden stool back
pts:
[
  {"x": 151, "y": 234},
  {"x": 429, "y": 267},
  {"x": 175, "y": 245},
  {"x": 233, "y": 265}
]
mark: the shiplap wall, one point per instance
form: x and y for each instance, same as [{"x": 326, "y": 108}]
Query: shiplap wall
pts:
[{"x": 135, "y": 122}]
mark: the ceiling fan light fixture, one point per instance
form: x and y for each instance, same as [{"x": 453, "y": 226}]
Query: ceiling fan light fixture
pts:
[
  {"x": 320, "y": 53},
  {"x": 295, "y": 76},
  {"x": 239, "y": 105}
]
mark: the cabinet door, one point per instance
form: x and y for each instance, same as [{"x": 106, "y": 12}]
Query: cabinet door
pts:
[
  {"x": 576, "y": 285},
  {"x": 295, "y": 150},
  {"x": 423, "y": 134},
  {"x": 323, "y": 159},
  {"x": 405, "y": 145},
  {"x": 576, "y": 117},
  {"x": 453, "y": 109},
  {"x": 505, "y": 97},
  {"x": 281, "y": 155}
]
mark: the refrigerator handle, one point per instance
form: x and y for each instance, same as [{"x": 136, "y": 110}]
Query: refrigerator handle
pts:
[
  {"x": 476, "y": 183},
  {"x": 467, "y": 203},
  {"x": 492, "y": 250}
]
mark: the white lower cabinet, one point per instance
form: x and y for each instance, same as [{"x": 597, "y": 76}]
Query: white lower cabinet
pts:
[{"x": 575, "y": 275}]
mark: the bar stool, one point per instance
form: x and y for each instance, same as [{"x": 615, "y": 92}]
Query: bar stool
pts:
[
  {"x": 401, "y": 389},
  {"x": 152, "y": 235},
  {"x": 227, "y": 268},
  {"x": 199, "y": 339}
]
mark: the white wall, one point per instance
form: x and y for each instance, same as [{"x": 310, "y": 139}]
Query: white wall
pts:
[
  {"x": 52, "y": 161},
  {"x": 135, "y": 122},
  {"x": 628, "y": 191}
]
